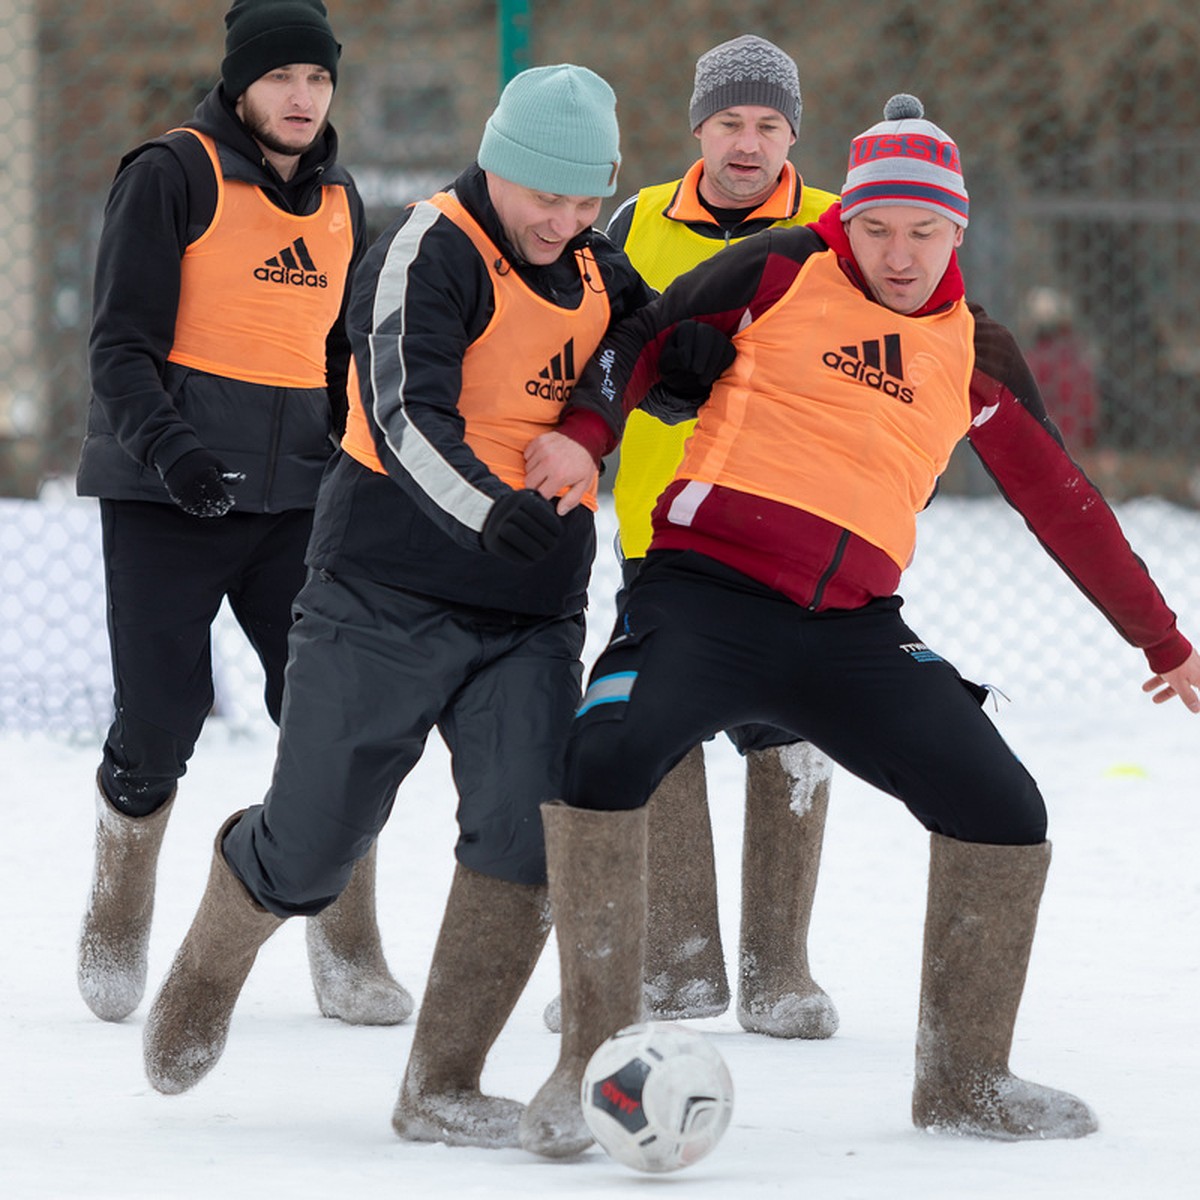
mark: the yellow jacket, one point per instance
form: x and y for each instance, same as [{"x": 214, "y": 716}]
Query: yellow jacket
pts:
[{"x": 670, "y": 232}]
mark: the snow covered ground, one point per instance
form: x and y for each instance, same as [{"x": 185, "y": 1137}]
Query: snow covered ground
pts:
[{"x": 299, "y": 1107}]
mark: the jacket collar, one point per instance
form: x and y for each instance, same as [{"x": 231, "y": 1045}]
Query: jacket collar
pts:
[{"x": 784, "y": 201}]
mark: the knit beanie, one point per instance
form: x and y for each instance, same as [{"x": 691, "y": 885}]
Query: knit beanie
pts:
[
  {"x": 555, "y": 129},
  {"x": 905, "y": 160},
  {"x": 261, "y": 35},
  {"x": 747, "y": 70}
]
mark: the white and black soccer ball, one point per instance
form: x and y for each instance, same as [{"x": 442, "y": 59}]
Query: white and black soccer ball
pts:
[{"x": 657, "y": 1096}]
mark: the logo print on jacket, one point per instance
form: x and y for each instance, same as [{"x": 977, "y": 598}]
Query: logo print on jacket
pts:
[
  {"x": 556, "y": 379},
  {"x": 879, "y": 367},
  {"x": 292, "y": 265}
]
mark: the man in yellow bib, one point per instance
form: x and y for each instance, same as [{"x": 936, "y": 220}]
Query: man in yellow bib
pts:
[
  {"x": 446, "y": 592},
  {"x": 769, "y": 593},
  {"x": 745, "y": 111},
  {"x": 218, "y": 370}
]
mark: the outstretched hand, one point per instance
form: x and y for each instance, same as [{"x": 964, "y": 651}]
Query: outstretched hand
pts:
[{"x": 1183, "y": 681}]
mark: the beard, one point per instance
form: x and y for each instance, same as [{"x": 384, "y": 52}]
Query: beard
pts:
[{"x": 258, "y": 125}]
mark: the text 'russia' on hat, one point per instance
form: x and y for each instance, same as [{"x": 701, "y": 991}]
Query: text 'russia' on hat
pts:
[{"x": 905, "y": 160}]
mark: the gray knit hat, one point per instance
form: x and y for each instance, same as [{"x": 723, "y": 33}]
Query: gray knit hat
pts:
[
  {"x": 264, "y": 34},
  {"x": 555, "y": 129},
  {"x": 747, "y": 70}
]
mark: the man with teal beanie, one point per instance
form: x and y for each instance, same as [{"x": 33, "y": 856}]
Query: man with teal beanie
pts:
[{"x": 446, "y": 589}]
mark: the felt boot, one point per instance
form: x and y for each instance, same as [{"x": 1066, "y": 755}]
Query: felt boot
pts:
[
  {"x": 787, "y": 797},
  {"x": 189, "y": 1021},
  {"x": 597, "y": 867},
  {"x": 115, "y": 935},
  {"x": 491, "y": 937},
  {"x": 979, "y": 925},
  {"x": 685, "y": 960},
  {"x": 345, "y": 957}
]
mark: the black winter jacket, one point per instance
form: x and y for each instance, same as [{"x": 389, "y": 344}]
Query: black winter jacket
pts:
[
  {"x": 387, "y": 527},
  {"x": 145, "y": 412}
]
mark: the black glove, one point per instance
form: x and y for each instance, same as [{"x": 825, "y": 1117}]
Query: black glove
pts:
[
  {"x": 522, "y": 527},
  {"x": 692, "y": 358},
  {"x": 199, "y": 483}
]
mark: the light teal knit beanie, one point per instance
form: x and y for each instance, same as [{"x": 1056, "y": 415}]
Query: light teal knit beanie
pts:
[{"x": 555, "y": 129}]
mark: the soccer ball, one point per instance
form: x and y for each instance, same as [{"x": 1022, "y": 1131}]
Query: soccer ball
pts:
[{"x": 657, "y": 1096}]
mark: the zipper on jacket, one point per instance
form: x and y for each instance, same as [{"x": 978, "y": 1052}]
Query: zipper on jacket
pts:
[
  {"x": 830, "y": 571},
  {"x": 273, "y": 455}
]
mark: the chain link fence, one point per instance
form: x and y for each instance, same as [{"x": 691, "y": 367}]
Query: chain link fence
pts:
[{"x": 1079, "y": 125}]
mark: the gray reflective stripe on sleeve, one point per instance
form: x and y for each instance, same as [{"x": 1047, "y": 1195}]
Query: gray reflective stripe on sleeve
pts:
[
  {"x": 420, "y": 457},
  {"x": 608, "y": 689}
]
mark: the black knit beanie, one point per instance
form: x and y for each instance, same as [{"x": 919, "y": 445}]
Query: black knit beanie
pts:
[{"x": 264, "y": 34}]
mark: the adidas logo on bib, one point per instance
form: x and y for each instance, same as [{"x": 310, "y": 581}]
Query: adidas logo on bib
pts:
[
  {"x": 293, "y": 265},
  {"x": 557, "y": 378},
  {"x": 878, "y": 365}
]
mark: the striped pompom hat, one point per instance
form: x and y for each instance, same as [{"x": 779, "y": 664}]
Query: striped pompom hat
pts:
[{"x": 905, "y": 160}]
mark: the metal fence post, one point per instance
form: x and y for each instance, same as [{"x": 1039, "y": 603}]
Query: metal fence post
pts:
[{"x": 513, "y": 21}]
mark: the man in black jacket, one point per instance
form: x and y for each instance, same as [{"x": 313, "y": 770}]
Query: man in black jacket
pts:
[
  {"x": 447, "y": 590},
  {"x": 218, "y": 365}
]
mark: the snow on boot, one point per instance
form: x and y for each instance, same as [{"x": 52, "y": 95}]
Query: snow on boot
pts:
[
  {"x": 189, "y": 1021},
  {"x": 345, "y": 957},
  {"x": 597, "y": 867},
  {"x": 491, "y": 938},
  {"x": 115, "y": 935},
  {"x": 685, "y": 961},
  {"x": 787, "y": 797},
  {"x": 979, "y": 925}
]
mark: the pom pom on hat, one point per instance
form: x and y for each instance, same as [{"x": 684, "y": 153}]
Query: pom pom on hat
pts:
[
  {"x": 905, "y": 160},
  {"x": 261, "y": 35},
  {"x": 555, "y": 129},
  {"x": 903, "y": 107}
]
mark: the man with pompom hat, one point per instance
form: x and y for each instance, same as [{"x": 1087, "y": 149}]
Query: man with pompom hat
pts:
[{"x": 769, "y": 592}]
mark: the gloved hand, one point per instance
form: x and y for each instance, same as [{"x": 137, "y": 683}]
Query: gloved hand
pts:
[
  {"x": 522, "y": 527},
  {"x": 692, "y": 358},
  {"x": 199, "y": 483}
]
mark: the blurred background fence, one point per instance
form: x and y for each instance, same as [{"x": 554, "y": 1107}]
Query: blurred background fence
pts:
[{"x": 1079, "y": 125}]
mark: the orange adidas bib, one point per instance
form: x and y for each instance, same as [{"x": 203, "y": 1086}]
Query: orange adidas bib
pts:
[
  {"x": 261, "y": 288},
  {"x": 841, "y": 408},
  {"x": 518, "y": 373}
]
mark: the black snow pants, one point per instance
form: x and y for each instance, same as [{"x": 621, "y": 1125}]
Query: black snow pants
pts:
[
  {"x": 699, "y": 647},
  {"x": 372, "y": 671},
  {"x": 166, "y": 575}
]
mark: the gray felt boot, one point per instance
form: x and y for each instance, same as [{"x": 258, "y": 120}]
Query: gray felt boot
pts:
[
  {"x": 189, "y": 1021},
  {"x": 345, "y": 957},
  {"x": 115, "y": 936},
  {"x": 787, "y": 797},
  {"x": 685, "y": 960},
  {"x": 491, "y": 937},
  {"x": 979, "y": 925},
  {"x": 597, "y": 865}
]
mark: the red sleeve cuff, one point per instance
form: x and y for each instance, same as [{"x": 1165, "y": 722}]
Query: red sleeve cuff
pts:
[
  {"x": 590, "y": 430},
  {"x": 1168, "y": 654}
]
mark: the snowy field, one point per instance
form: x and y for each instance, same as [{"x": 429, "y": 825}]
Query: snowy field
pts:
[{"x": 299, "y": 1106}]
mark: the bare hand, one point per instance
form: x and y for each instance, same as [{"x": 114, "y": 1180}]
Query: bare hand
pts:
[
  {"x": 554, "y": 464},
  {"x": 1183, "y": 682}
]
